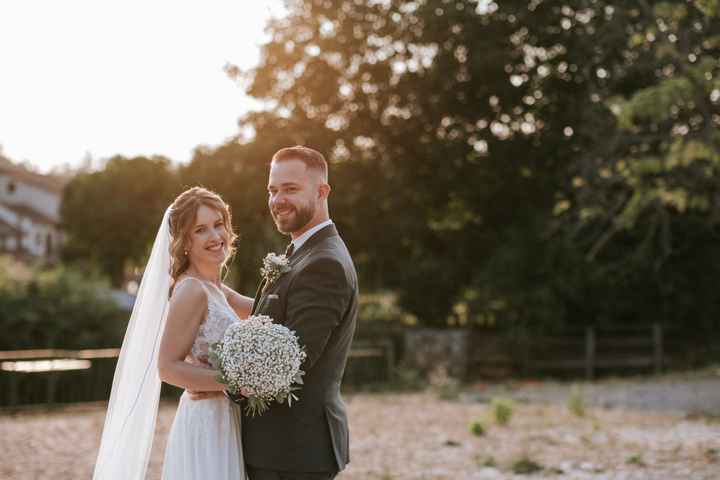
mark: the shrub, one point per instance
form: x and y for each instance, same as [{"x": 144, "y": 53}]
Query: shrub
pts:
[
  {"x": 445, "y": 386},
  {"x": 477, "y": 428},
  {"x": 502, "y": 409},
  {"x": 576, "y": 402},
  {"x": 57, "y": 308},
  {"x": 525, "y": 466}
]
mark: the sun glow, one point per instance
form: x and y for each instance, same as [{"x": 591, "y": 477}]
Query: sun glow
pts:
[{"x": 106, "y": 77}]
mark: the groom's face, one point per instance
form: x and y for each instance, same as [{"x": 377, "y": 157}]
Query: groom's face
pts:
[{"x": 292, "y": 195}]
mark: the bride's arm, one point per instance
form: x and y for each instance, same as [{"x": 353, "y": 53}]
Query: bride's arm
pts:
[
  {"x": 240, "y": 303},
  {"x": 187, "y": 309}
]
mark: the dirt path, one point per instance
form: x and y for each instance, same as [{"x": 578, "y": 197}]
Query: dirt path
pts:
[
  {"x": 696, "y": 393},
  {"x": 417, "y": 436}
]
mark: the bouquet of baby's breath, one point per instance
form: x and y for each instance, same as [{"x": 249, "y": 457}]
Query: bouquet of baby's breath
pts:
[{"x": 260, "y": 360}]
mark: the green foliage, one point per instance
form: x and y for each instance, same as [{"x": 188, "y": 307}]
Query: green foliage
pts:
[
  {"x": 710, "y": 8},
  {"x": 576, "y": 402},
  {"x": 488, "y": 461},
  {"x": 525, "y": 466},
  {"x": 529, "y": 165},
  {"x": 111, "y": 216},
  {"x": 380, "y": 312},
  {"x": 477, "y": 428},
  {"x": 481, "y": 157},
  {"x": 635, "y": 459},
  {"x": 407, "y": 379},
  {"x": 59, "y": 308},
  {"x": 445, "y": 386},
  {"x": 502, "y": 410}
]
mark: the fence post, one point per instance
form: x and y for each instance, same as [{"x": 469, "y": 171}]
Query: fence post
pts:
[
  {"x": 13, "y": 399},
  {"x": 589, "y": 353},
  {"x": 50, "y": 387},
  {"x": 390, "y": 352},
  {"x": 658, "y": 347}
]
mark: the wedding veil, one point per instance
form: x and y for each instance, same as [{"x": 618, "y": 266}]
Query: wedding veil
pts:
[{"x": 130, "y": 422}]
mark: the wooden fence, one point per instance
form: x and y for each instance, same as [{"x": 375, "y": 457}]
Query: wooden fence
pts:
[
  {"x": 589, "y": 352},
  {"x": 618, "y": 349},
  {"x": 49, "y": 376}
]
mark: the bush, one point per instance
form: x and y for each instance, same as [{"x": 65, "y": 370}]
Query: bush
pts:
[
  {"x": 502, "y": 410},
  {"x": 526, "y": 466},
  {"x": 57, "y": 308},
  {"x": 477, "y": 428},
  {"x": 407, "y": 379},
  {"x": 576, "y": 402},
  {"x": 444, "y": 386}
]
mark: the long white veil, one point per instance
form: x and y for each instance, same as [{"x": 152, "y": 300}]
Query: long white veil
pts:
[{"x": 130, "y": 422}]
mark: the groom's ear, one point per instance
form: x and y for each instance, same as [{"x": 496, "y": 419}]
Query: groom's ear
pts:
[{"x": 324, "y": 190}]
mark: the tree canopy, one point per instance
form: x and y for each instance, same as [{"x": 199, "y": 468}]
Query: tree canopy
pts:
[{"x": 523, "y": 163}]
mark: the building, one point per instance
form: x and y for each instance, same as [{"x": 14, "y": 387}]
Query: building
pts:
[{"x": 29, "y": 213}]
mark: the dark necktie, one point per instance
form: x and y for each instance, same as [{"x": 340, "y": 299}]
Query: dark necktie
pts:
[{"x": 289, "y": 250}]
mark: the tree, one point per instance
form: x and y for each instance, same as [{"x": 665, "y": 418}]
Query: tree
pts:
[
  {"x": 110, "y": 216},
  {"x": 413, "y": 101},
  {"x": 518, "y": 162},
  {"x": 644, "y": 205}
]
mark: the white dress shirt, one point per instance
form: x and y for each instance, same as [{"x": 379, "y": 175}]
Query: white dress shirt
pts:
[{"x": 299, "y": 241}]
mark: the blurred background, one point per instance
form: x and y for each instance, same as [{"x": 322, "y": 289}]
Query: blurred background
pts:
[{"x": 530, "y": 190}]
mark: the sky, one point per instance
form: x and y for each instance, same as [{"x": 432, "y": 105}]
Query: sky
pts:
[{"x": 97, "y": 78}]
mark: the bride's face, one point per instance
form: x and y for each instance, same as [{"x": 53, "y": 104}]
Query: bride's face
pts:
[{"x": 209, "y": 238}]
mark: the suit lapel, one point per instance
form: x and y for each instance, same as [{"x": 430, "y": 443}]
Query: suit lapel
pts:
[
  {"x": 303, "y": 251},
  {"x": 319, "y": 236}
]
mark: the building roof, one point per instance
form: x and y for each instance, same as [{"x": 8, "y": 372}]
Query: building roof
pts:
[
  {"x": 29, "y": 212},
  {"x": 7, "y": 229},
  {"x": 49, "y": 183}
]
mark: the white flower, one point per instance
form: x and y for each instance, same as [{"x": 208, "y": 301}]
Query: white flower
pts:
[
  {"x": 274, "y": 266},
  {"x": 259, "y": 357}
]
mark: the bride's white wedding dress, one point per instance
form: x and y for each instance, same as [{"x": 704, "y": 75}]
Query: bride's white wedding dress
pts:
[{"x": 205, "y": 438}]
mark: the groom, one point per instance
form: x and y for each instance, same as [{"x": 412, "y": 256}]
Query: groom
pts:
[{"x": 318, "y": 299}]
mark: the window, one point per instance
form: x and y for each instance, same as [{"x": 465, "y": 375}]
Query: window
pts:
[{"x": 11, "y": 187}]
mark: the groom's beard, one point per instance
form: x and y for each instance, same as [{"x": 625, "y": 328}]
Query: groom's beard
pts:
[{"x": 295, "y": 222}]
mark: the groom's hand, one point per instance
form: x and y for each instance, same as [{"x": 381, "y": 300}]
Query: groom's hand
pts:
[{"x": 198, "y": 394}]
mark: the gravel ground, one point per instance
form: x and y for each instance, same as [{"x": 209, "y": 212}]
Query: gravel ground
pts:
[
  {"x": 692, "y": 393},
  {"x": 418, "y": 436}
]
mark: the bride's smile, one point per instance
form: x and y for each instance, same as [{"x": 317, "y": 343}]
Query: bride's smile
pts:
[{"x": 209, "y": 238}]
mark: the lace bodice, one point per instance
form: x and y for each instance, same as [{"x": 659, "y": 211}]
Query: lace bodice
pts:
[{"x": 219, "y": 316}]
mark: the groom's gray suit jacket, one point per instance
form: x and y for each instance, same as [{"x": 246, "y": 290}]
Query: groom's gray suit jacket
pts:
[{"x": 318, "y": 299}]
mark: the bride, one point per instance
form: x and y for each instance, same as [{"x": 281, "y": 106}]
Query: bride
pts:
[{"x": 167, "y": 339}]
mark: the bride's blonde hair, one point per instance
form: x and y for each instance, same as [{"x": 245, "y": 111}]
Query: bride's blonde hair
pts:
[{"x": 182, "y": 220}]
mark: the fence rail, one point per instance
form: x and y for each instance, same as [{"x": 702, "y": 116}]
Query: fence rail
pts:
[
  {"x": 637, "y": 348},
  {"x": 47, "y": 376}
]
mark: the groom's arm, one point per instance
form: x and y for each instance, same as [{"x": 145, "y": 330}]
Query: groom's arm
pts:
[{"x": 316, "y": 303}]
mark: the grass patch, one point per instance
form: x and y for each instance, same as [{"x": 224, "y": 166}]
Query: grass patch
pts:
[
  {"x": 443, "y": 384},
  {"x": 477, "y": 428},
  {"x": 489, "y": 462},
  {"x": 526, "y": 466},
  {"x": 502, "y": 410},
  {"x": 635, "y": 460},
  {"x": 576, "y": 402}
]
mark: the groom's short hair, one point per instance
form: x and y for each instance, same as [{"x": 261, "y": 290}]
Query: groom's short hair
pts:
[{"x": 311, "y": 158}]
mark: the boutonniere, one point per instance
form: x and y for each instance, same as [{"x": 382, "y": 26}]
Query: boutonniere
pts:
[{"x": 274, "y": 266}]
